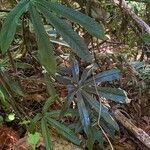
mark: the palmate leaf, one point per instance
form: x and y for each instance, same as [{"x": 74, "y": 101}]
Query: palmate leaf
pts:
[
  {"x": 88, "y": 23},
  {"x": 9, "y": 27},
  {"x": 114, "y": 94},
  {"x": 108, "y": 75},
  {"x": 83, "y": 112},
  {"x": 63, "y": 130},
  {"x": 104, "y": 111},
  {"x": 70, "y": 36},
  {"x": 46, "y": 55},
  {"x": 46, "y": 134}
]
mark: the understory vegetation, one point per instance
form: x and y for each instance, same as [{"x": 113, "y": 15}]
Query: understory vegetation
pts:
[{"x": 74, "y": 74}]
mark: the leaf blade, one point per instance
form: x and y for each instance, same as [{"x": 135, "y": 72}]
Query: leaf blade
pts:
[
  {"x": 114, "y": 94},
  {"x": 108, "y": 75},
  {"x": 84, "y": 115},
  {"x": 71, "y": 37},
  {"x": 76, "y": 16},
  {"x": 104, "y": 111},
  {"x": 46, "y": 134},
  {"x": 9, "y": 27},
  {"x": 46, "y": 55},
  {"x": 63, "y": 130}
]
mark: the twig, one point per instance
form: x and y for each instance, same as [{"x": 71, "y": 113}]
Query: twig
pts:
[
  {"x": 124, "y": 7},
  {"x": 138, "y": 132},
  {"x": 100, "y": 109},
  {"x": 4, "y": 10}
]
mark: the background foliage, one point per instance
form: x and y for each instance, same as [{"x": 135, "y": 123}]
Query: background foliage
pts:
[{"x": 86, "y": 47}]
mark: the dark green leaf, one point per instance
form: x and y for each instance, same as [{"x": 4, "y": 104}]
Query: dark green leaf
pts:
[
  {"x": 9, "y": 27},
  {"x": 46, "y": 55},
  {"x": 64, "y": 70},
  {"x": 100, "y": 108},
  {"x": 63, "y": 79},
  {"x": 48, "y": 103},
  {"x": 49, "y": 84},
  {"x": 86, "y": 73},
  {"x": 74, "y": 68},
  {"x": 91, "y": 26},
  {"x": 104, "y": 76},
  {"x": 63, "y": 130},
  {"x": 3, "y": 100},
  {"x": 33, "y": 122},
  {"x": 90, "y": 138},
  {"x": 98, "y": 136},
  {"x": 23, "y": 65},
  {"x": 56, "y": 113},
  {"x": 53, "y": 114},
  {"x": 70, "y": 36},
  {"x": 114, "y": 94},
  {"x": 108, "y": 128},
  {"x": 67, "y": 103},
  {"x": 13, "y": 84},
  {"x": 84, "y": 115},
  {"x": 46, "y": 134}
]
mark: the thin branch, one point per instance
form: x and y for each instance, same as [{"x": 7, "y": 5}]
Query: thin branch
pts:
[
  {"x": 138, "y": 132},
  {"x": 124, "y": 7},
  {"x": 5, "y": 10}
]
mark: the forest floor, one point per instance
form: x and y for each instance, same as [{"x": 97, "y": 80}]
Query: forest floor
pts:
[{"x": 31, "y": 81}]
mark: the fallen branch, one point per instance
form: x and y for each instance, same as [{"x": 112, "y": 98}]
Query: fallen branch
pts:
[
  {"x": 138, "y": 132},
  {"x": 124, "y": 7}
]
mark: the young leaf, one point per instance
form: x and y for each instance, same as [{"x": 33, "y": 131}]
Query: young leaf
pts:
[
  {"x": 114, "y": 94},
  {"x": 10, "y": 117},
  {"x": 104, "y": 76},
  {"x": 70, "y": 36},
  {"x": 104, "y": 111},
  {"x": 84, "y": 115},
  {"x": 88, "y": 23},
  {"x": 33, "y": 139},
  {"x": 46, "y": 55},
  {"x": 46, "y": 134},
  {"x": 9, "y": 27},
  {"x": 63, "y": 130}
]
